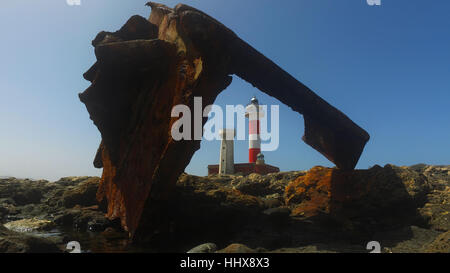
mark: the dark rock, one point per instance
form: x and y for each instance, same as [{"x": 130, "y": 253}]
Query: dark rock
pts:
[
  {"x": 280, "y": 212},
  {"x": 111, "y": 233},
  {"x": 28, "y": 196},
  {"x": 333, "y": 247},
  {"x": 71, "y": 180},
  {"x": 7, "y": 210},
  {"x": 377, "y": 198},
  {"x": 237, "y": 248},
  {"x": 65, "y": 219},
  {"x": 262, "y": 185},
  {"x": 72, "y": 191},
  {"x": 85, "y": 218},
  {"x": 204, "y": 248},
  {"x": 436, "y": 211},
  {"x": 384, "y": 204},
  {"x": 84, "y": 194},
  {"x": 440, "y": 245},
  {"x": 272, "y": 203},
  {"x": 99, "y": 224},
  {"x": 22, "y": 192},
  {"x": 69, "y": 202},
  {"x": 211, "y": 209},
  {"x": 407, "y": 239},
  {"x": 13, "y": 242},
  {"x": 253, "y": 184}
]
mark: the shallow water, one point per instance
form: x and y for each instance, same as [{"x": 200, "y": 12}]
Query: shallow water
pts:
[{"x": 90, "y": 242}]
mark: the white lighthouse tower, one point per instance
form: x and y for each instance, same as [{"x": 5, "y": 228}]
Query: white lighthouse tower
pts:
[
  {"x": 226, "y": 164},
  {"x": 254, "y": 112}
]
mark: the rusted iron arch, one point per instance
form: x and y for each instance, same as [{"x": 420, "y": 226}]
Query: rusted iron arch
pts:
[{"x": 149, "y": 66}]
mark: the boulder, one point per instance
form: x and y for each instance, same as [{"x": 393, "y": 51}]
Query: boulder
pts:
[
  {"x": 84, "y": 219},
  {"x": 83, "y": 194},
  {"x": 377, "y": 196},
  {"x": 237, "y": 248},
  {"x": 253, "y": 184},
  {"x": 437, "y": 209},
  {"x": 13, "y": 242},
  {"x": 440, "y": 245},
  {"x": 29, "y": 225},
  {"x": 204, "y": 248},
  {"x": 407, "y": 239},
  {"x": 404, "y": 208},
  {"x": 23, "y": 191}
]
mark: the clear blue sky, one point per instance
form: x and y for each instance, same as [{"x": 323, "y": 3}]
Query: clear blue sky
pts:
[{"x": 386, "y": 67}]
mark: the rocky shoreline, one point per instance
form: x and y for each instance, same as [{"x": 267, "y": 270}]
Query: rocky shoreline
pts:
[{"x": 405, "y": 209}]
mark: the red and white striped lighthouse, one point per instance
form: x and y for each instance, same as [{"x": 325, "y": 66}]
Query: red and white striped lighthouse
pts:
[{"x": 253, "y": 112}]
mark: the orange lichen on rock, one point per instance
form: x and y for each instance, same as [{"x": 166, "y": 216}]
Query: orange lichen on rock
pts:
[
  {"x": 354, "y": 193},
  {"x": 326, "y": 190},
  {"x": 311, "y": 193}
]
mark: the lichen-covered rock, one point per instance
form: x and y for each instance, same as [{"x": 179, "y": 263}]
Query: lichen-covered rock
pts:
[
  {"x": 204, "y": 248},
  {"x": 23, "y": 191},
  {"x": 84, "y": 219},
  {"x": 83, "y": 194},
  {"x": 437, "y": 210},
  {"x": 311, "y": 193},
  {"x": 440, "y": 245},
  {"x": 405, "y": 210},
  {"x": 380, "y": 195},
  {"x": 70, "y": 202},
  {"x": 13, "y": 242},
  {"x": 253, "y": 184},
  {"x": 437, "y": 207},
  {"x": 263, "y": 185},
  {"x": 237, "y": 248},
  {"x": 438, "y": 176},
  {"x": 70, "y": 191},
  {"x": 321, "y": 248},
  {"x": 407, "y": 239},
  {"x": 29, "y": 225},
  {"x": 7, "y": 210}
]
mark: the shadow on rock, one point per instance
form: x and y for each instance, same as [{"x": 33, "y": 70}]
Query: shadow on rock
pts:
[{"x": 324, "y": 209}]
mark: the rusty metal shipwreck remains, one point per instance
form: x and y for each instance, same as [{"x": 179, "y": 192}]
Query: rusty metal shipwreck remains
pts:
[{"x": 149, "y": 66}]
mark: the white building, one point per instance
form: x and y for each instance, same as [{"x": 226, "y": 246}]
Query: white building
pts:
[{"x": 226, "y": 164}]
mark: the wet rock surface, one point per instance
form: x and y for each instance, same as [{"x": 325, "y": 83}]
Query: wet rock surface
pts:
[
  {"x": 14, "y": 242},
  {"x": 405, "y": 209},
  {"x": 29, "y": 225},
  {"x": 204, "y": 248},
  {"x": 49, "y": 211}
]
